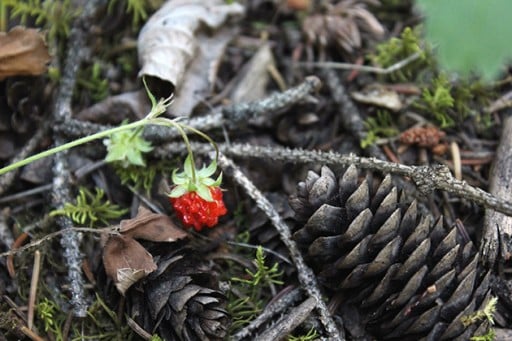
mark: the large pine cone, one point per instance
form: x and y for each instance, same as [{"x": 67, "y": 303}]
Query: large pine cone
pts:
[
  {"x": 179, "y": 301},
  {"x": 410, "y": 277}
]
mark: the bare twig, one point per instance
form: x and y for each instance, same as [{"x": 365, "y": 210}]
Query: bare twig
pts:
[
  {"x": 306, "y": 276},
  {"x": 289, "y": 322},
  {"x": 350, "y": 116},
  {"x": 426, "y": 178},
  {"x": 231, "y": 116},
  {"x": 55, "y": 234},
  {"x": 33, "y": 289},
  {"x": 7, "y": 179},
  {"x": 363, "y": 68},
  {"x": 274, "y": 308}
]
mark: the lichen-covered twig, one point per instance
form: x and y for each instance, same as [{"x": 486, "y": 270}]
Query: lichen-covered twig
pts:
[
  {"x": 426, "y": 178},
  {"x": 306, "y": 276},
  {"x": 61, "y": 193},
  {"x": 231, "y": 116}
]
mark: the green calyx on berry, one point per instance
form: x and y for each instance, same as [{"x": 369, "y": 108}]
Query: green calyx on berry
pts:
[{"x": 192, "y": 180}]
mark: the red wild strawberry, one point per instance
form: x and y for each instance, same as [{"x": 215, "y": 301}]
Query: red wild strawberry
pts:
[
  {"x": 195, "y": 211},
  {"x": 196, "y": 198}
]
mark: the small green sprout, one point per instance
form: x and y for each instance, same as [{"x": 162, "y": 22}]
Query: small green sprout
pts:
[
  {"x": 246, "y": 301},
  {"x": 484, "y": 314},
  {"x": 378, "y": 127},
  {"x": 264, "y": 275},
  {"x": 47, "y": 311},
  {"x": 90, "y": 208},
  {"x": 438, "y": 101},
  {"x": 54, "y": 15},
  {"x": 397, "y": 49}
]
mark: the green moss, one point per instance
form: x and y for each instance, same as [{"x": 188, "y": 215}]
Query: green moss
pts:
[
  {"x": 377, "y": 127},
  {"x": 55, "y": 16},
  {"x": 397, "y": 49}
]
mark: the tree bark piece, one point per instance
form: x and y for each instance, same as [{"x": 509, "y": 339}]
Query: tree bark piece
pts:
[{"x": 496, "y": 238}]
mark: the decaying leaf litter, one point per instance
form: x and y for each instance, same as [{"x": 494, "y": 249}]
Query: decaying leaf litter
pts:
[{"x": 346, "y": 252}]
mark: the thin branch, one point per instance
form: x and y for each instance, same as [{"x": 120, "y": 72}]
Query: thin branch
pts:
[
  {"x": 426, "y": 178},
  {"x": 274, "y": 308},
  {"x": 351, "y": 118},
  {"x": 306, "y": 276},
  {"x": 61, "y": 193},
  {"x": 52, "y": 235},
  {"x": 363, "y": 68},
  {"x": 232, "y": 116},
  {"x": 6, "y": 180},
  {"x": 33, "y": 289},
  {"x": 288, "y": 322}
]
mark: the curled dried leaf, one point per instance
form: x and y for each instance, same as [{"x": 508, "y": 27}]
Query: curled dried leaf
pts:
[
  {"x": 126, "y": 261},
  {"x": 167, "y": 43},
  {"x": 23, "y": 51}
]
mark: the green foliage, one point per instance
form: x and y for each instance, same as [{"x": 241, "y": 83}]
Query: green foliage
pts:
[
  {"x": 263, "y": 275},
  {"x": 471, "y": 35},
  {"x": 91, "y": 79},
  {"x": 489, "y": 336},
  {"x": 484, "y": 314},
  {"x": 54, "y": 15},
  {"x": 311, "y": 335},
  {"x": 155, "y": 338},
  {"x": 397, "y": 49},
  {"x": 246, "y": 300},
  {"x": 126, "y": 147},
  {"x": 378, "y": 127},
  {"x": 438, "y": 101},
  {"x": 90, "y": 208},
  {"x": 47, "y": 311}
]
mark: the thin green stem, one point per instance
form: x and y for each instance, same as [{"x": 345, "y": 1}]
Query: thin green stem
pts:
[
  {"x": 170, "y": 123},
  {"x": 207, "y": 138},
  {"x": 72, "y": 144}
]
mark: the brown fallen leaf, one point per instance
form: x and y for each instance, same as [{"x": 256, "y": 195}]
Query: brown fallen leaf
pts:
[
  {"x": 167, "y": 43},
  {"x": 126, "y": 261},
  {"x": 23, "y": 51},
  {"x": 151, "y": 226}
]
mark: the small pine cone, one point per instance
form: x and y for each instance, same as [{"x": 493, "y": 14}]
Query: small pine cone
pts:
[
  {"x": 179, "y": 301},
  {"x": 409, "y": 276}
]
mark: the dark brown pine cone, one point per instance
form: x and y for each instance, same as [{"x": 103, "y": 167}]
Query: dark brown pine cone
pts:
[
  {"x": 410, "y": 277},
  {"x": 180, "y": 300}
]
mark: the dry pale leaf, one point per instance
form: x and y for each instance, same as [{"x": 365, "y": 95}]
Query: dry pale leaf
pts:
[
  {"x": 22, "y": 52},
  {"x": 151, "y": 226},
  {"x": 200, "y": 76},
  {"x": 379, "y": 96},
  {"x": 254, "y": 76},
  {"x": 167, "y": 42},
  {"x": 126, "y": 261}
]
